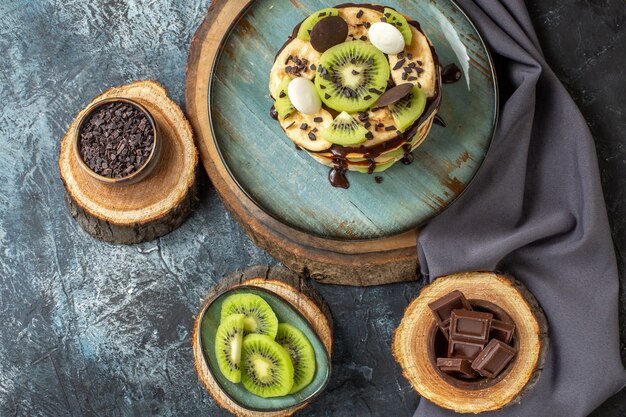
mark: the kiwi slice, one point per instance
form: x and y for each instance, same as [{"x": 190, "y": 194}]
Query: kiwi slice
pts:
[
  {"x": 351, "y": 76},
  {"x": 399, "y": 21},
  {"x": 259, "y": 317},
  {"x": 406, "y": 111},
  {"x": 266, "y": 368},
  {"x": 228, "y": 342},
  {"x": 306, "y": 26},
  {"x": 282, "y": 104},
  {"x": 301, "y": 353},
  {"x": 379, "y": 168},
  {"x": 344, "y": 130}
]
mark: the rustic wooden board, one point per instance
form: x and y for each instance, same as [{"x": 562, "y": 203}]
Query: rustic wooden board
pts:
[
  {"x": 290, "y": 288},
  {"x": 413, "y": 339},
  {"x": 152, "y": 207},
  {"x": 364, "y": 235}
]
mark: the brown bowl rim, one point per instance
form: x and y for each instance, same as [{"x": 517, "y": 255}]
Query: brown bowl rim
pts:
[{"x": 88, "y": 112}]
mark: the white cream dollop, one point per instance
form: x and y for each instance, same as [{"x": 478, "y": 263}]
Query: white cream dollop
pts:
[
  {"x": 303, "y": 96},
  {"x": 387, "y": 38}
]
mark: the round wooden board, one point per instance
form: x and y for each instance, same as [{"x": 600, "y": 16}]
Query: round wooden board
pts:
[
  {"x": 155, "y": 205},
  {"x": 291, "y": 288},
  {"x": 412, "y": 338},
  {"x": 347, "y": 237}
]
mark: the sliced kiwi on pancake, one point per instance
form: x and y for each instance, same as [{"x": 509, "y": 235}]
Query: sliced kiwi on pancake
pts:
[
  {"x": 399, "y": 21},
  {"x": 306, "y": 27},
  {"x": 344, "y": 130},
  {"x": 282, "y": 104},
  {"x": 259, "y": 316},
  {"x": 266, "y": 368},
  {"x": 379, "y": 168},
  {"x": 406, "y": 111},
  {"x": 301, "y": 353},
  {"x": 228, "y": 342},
  {"x": 351, "y": 76}
]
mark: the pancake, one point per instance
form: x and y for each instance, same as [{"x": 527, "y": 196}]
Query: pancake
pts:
[{"x": 385, "y": 144}]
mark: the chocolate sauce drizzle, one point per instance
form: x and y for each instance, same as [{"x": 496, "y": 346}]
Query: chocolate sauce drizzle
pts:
[
  {"x": 273, "y": 113},
  {"x": 450, "y": 74}
]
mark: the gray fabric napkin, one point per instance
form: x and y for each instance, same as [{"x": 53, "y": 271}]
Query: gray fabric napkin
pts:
[{"x": 536, "y": 210}]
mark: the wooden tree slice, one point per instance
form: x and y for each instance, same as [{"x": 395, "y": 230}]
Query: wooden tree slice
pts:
[
  {"x": 290, "y": 287},
  {"x": 412, "y": 343},
  {"x": 366, "y": 262},
  {"x": 155, "y": 205}
]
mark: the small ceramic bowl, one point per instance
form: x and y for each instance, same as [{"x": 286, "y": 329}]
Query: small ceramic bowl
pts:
[
  {"x": 135, "y": 176},
  {"x": 285, "y": 313}
]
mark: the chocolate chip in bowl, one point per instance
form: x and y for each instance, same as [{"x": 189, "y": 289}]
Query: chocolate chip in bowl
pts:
[{"x": 117, "y": 141}]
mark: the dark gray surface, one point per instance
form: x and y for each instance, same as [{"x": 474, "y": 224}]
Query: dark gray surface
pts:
[{"x": 94, "y": 329}]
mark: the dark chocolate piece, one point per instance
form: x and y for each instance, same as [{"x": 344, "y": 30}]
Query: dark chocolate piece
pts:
[
  {"x": 464, "y": 349},
  {"x": 470, "y": 326},
  {"x": 442, "y": 308},
  {"x": 394, "y": 94},
  {"x": 493, "y": 358},
  {"x": 502, "y": 331},
  {"x": 456, "y": 366},
  {"x": 328, "y": 32}
]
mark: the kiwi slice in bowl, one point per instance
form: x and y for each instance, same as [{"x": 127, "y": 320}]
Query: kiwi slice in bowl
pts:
[
  {"x": 345, "y": 130},
  {"x": 228, "y": 343},
  {"x": 399, "y": 21},
  {"x": 351, "y": 76},
  {"x": 406, "y": 111},
  {"x": 259, "y": 316},
  {"x": 266, "y": 368},
  {"x": 307, "y": 25},
  {"x": 301, "y": 353}
]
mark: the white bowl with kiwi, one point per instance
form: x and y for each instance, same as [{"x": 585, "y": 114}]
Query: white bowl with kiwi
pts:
[{"x": 262, "y": 353}]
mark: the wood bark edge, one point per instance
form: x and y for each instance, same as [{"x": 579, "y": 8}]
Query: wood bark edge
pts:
[
  {"x": 410, "y": 340},
  {"x": 294, "y": 289},
  {"x": 371, "y": 262}
]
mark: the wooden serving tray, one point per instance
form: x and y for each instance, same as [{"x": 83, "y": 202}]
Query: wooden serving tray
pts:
[{"x": 365, "y": 235}]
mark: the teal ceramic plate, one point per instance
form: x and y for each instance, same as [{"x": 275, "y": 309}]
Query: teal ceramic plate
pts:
[
  {"x": 293, "y": 188},
  {"x": 286, "y": 314}
]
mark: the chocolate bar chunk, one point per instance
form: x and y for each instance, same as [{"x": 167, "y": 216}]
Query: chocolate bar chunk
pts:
[
  {"x": 464, "y": 349},
  {"x": 502, "y": 331},
  {"x": 456, "y": 366},
  {"x": 442, "y": 308},
  {"x": 470, "y": 326},
  {"x": 494, "y": 357}
]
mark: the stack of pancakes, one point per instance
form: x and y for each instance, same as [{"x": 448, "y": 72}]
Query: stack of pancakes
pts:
[{"x": 417, "y": 64}]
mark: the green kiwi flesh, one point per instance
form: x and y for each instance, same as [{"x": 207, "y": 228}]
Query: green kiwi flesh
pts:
[
  {"x": 304, "y": 32},
  {"x": 351, "y": 76},
  {"x": 344, "y": 130},
  {"x": 399, "y": 21},
  {"x": 259, "y": 317},
  {"x": 301, "y": 353},
  {"x": 406, "y": 111},
  {"x": 266, "y": 368},
  {"x": 282, "y": 104},
  {"x": 379, "y": 168},
  {"x": 228, "y": 344}
]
